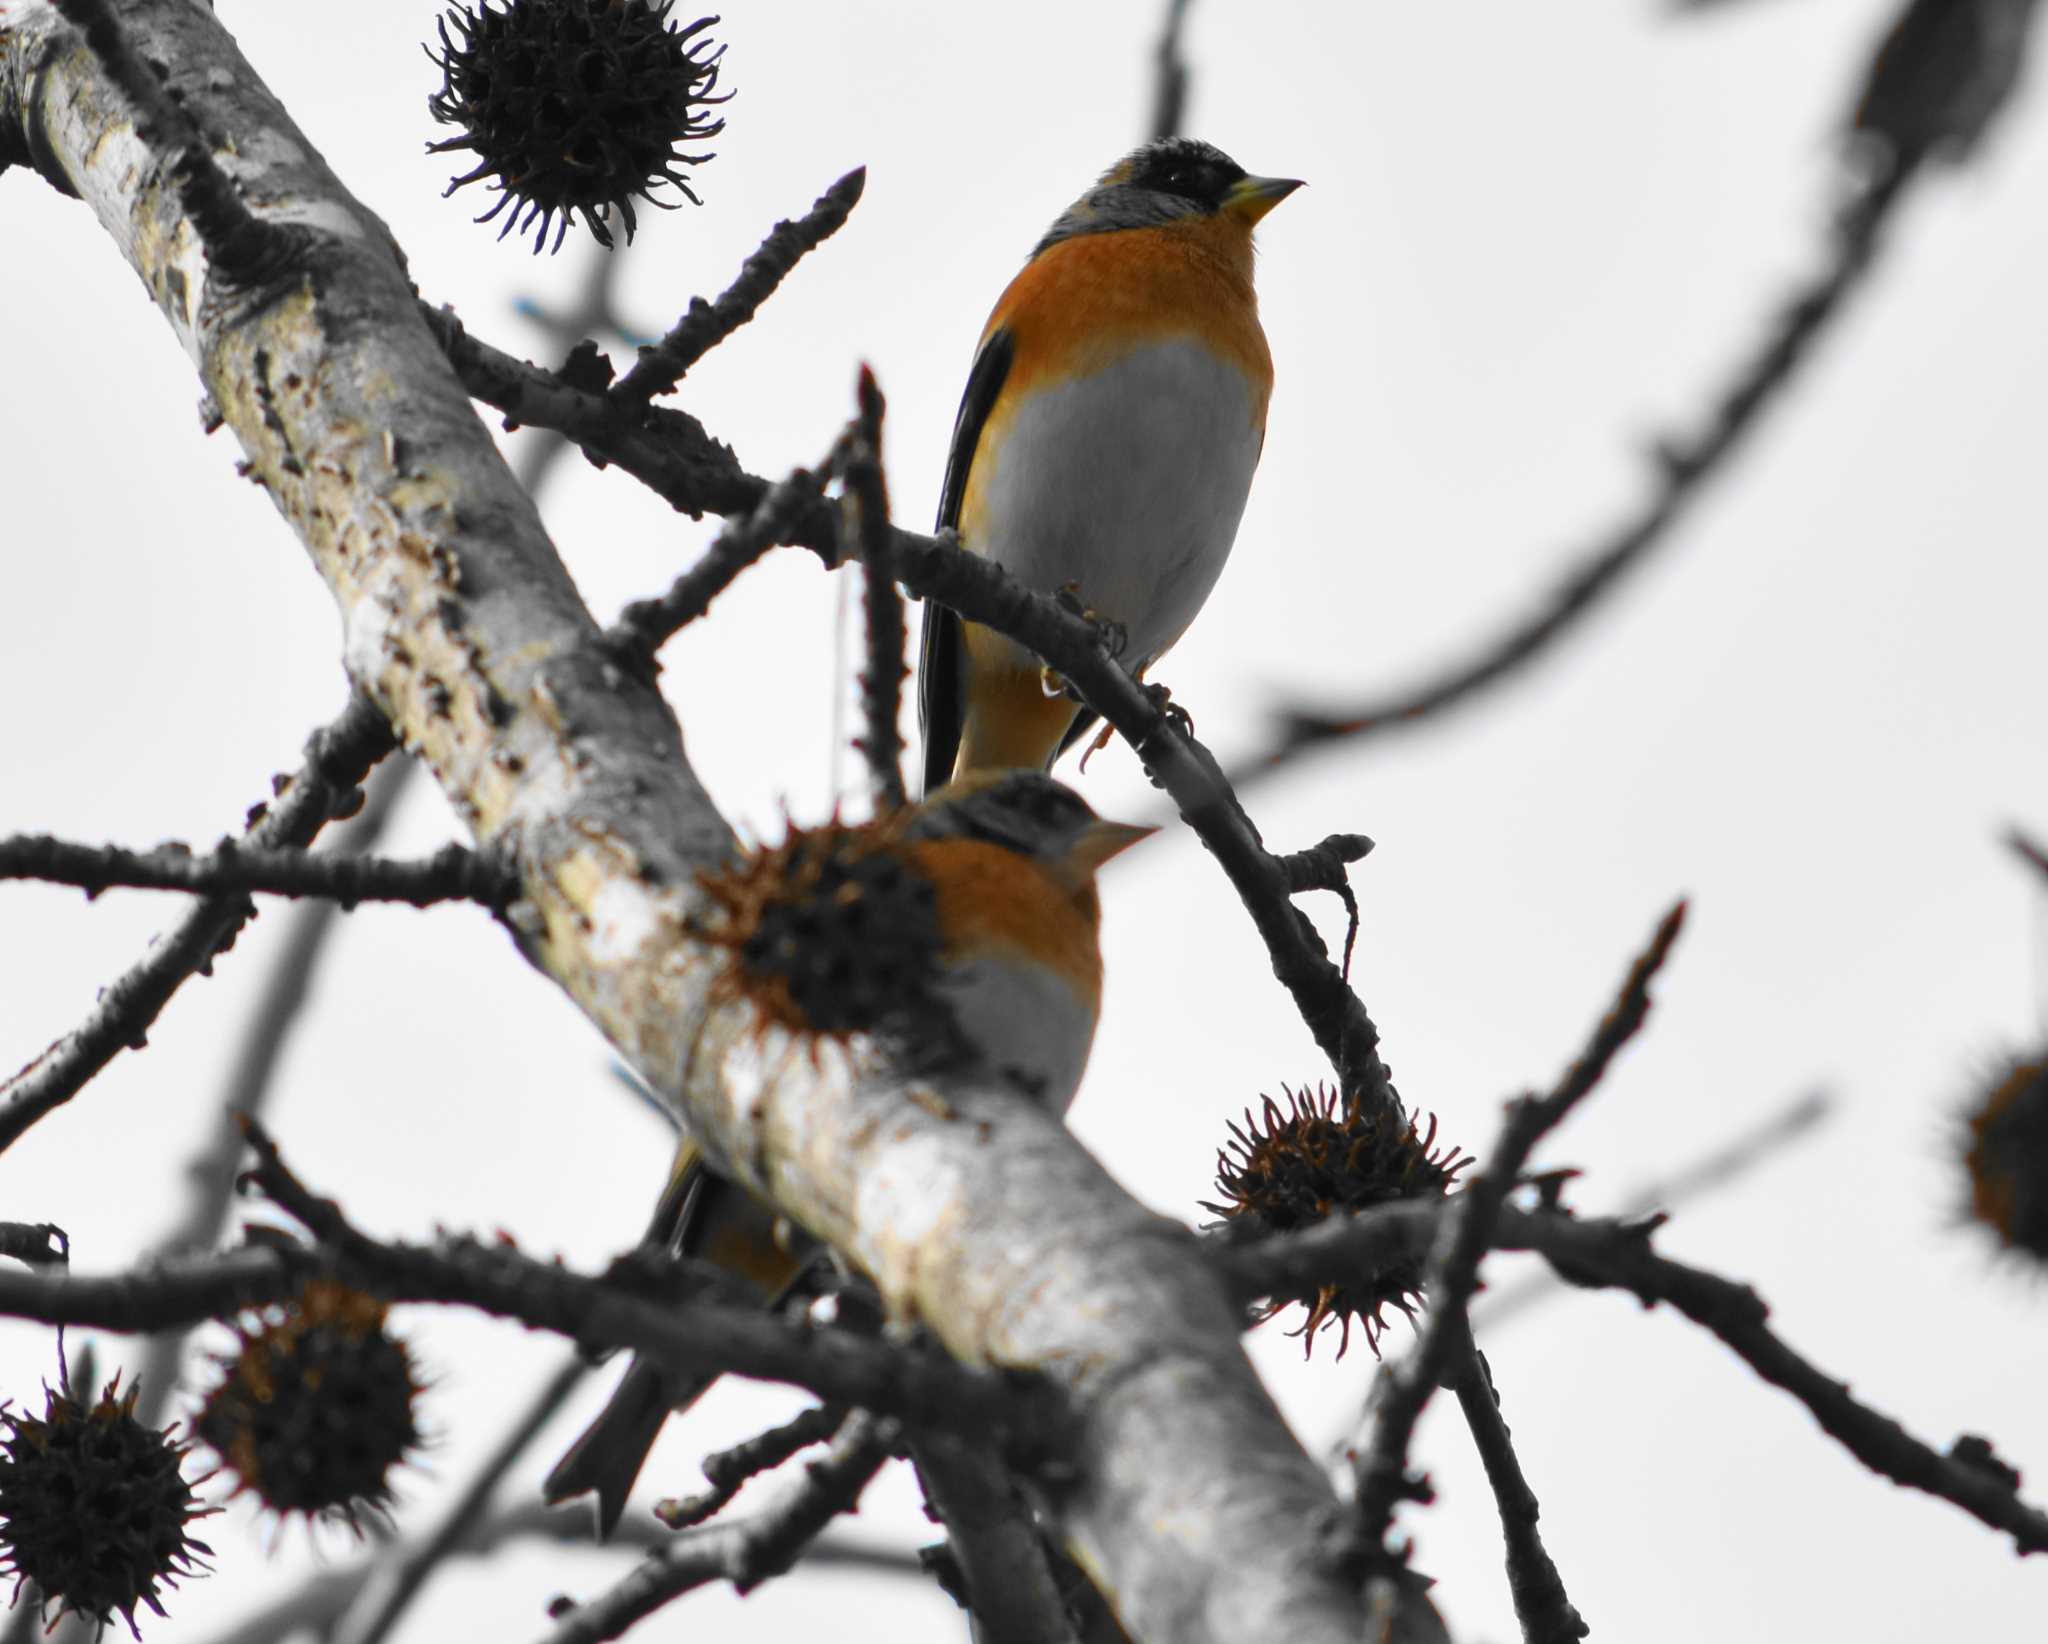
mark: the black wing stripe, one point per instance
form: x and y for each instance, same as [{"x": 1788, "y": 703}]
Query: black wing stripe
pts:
[{"x": 941, "y": 677}]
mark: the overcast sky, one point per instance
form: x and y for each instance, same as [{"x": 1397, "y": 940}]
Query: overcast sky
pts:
[{"x": 1534, "y": 238}]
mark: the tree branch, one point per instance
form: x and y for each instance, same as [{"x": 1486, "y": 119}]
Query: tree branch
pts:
[
  {"x": 730, "y": 1471},
  {"x": 452, "y": 874},
  {"x": 706, "y": 325},
  {"x": 1682, "y": 467},
  {"x": 687, "y": 1330},
  {"x": 212, "y": 1173},
  {"x": 1541, "y": 1603},
  {"x": 2028, "y": 850},
  {"x": 323, "y": 789},
  {"x": 1011, "y": 1595},
  {"x": 405, "y": 1567},
  {"x": 1617, "y": 1255},
  {"x": 865, "y": 522},
  {"x": 1466, "y": 1234},
  {"x": 745, "y": 1552}
]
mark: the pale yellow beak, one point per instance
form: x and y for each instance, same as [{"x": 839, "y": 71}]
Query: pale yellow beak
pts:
[
  {"x": 1101, "y": 840},
  {"x": 1252, "y": 197}
]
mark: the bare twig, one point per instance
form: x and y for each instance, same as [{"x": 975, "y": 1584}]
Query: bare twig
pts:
[
  {"x": 729, "y": 1471},
  {"x": 730, "y": 1338},
  {"x": 647, "y": 624},
  {"x": 1465, "y": 1235},
  {"x": 1682, "y": 468},
  {"x": 287, "y": 983},
  {"x": 454, "y": 873},
  {"x": 337, "y": 758},
  {"x": 745, "y": 1552},
  {"x": 406, "y": 1567},
  {"x": 1941, "y": 77},
  {"x": 1541, "y": 1604},
  {"x": 1170, "y": 72},
  {"x": 865, "y": 514},
  {"x": 706, "y": 325},
  {"x": 34, "y": 1244},
  {"x": 678, "y": 1326},
  {"x": 1766, "y": 1139},
  {"x": 1011, "y": 1592},
  {"x": 1617, "y": 1255},
  {"x": 2028, "y": 850},
  {"x": 1322, "y": 867},
  {"x": 316, "y": 1605}
]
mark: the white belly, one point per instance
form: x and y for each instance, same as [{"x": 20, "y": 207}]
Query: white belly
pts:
[
  {"x": 1129, "y": 483},
  {"x": 1029, "y": 1024}
]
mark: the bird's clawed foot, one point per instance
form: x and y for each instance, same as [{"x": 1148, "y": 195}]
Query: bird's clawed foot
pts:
[
  {"x": 1162, "y": 699},
  {"x": 1115, "y": 636}
]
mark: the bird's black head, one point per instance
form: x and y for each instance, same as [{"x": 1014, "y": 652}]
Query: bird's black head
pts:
[
  {"x": 1183, "y": 167},
  {"x": 1174, "y": 179}
]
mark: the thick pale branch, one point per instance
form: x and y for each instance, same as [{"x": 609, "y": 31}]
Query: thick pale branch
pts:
[{"x": 975, "y": 1213}]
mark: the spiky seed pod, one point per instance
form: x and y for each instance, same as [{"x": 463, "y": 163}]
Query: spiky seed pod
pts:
[
  {"x": 95, "y": 1508},
  {"x": 830, "y": 933},
  {"x": 575, "y": 107},
  {"x": 2007, "y": 1157},
  {"x": 1319, "y": 1156},
  {"x": 315, "y": 1408}
]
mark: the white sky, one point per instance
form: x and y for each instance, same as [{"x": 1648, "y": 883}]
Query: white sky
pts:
[{"x": 1534, "y": 236}]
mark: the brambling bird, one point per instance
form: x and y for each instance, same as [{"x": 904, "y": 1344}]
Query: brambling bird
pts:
[
  {"x": 1009, "y": 858},
  {"x": 1107, "y": 437}
]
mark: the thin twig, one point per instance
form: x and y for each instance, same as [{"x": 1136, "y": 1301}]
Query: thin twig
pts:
[
  {"x": 1765, "y": 1140},
  {"x": 1941, "y": 76},
  {"x": 34, "y": 1244},
  {"x": 1000, "y": 1552},
  {"x": 1466, "y": 1234},
  {"x": 730, "y": 1471},
  {"x": 406, "y": 1567},
  {"x": 2028, "y": 850},
  {"x": 211, "y": 1175},
  {"x": 745, "y": 1552},
  {"x": 706, "y": 325},
  {"x": 865, "y": 512},
  {"x": 454, "y": 873},
  {"x": 1682, "y": 468},
  {"x": 1541, "y": 1603},
  {"x": 1322, "y": 867},
  {"x": 1606, "y": 1253},
  {"x": 316, "y": 1605},
  {"x": 1170, "y": 73},
  {"x": 677, "y": 1324},
  {"x": 680, "y": 1327},
  {"x": 647, "y": 624},
  {"x": 337, "y": 759}
]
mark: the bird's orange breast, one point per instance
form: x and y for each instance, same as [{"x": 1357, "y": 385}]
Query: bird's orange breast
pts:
[
  {"x": 992, "y": 901},
  {"x": 1081, "y": 305}
]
